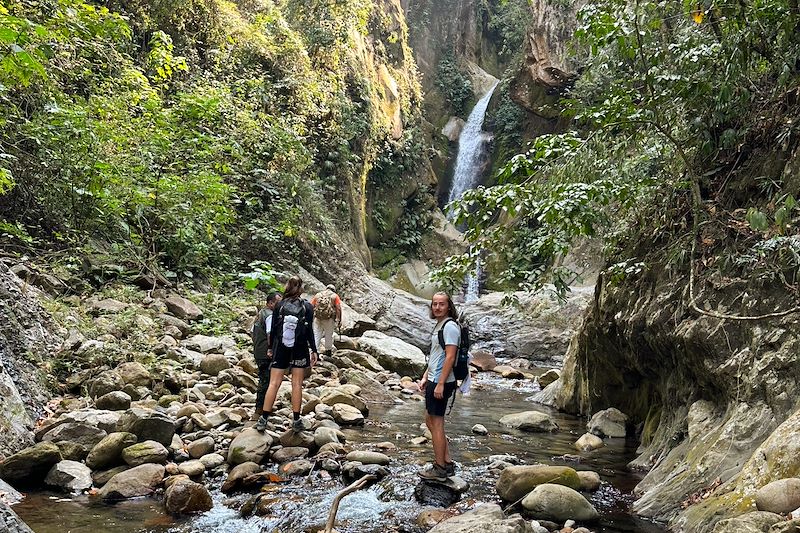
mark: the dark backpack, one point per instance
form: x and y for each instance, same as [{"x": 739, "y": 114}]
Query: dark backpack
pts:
[
  {"x": 461, "y": 366},
  {"x": 260, "y": 335},
  {"x": 292, "y": 322}
]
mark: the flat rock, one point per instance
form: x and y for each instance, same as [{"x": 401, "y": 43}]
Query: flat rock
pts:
[
  {"x": 148, "y": 451},
  {"x": 183, "y": 308},
  {"x": 75, "y": 432},
  {"x": 147, "y": 424},
  {"x": 392, "y": 353},
  {"x": 347, "y": 415},
  {"x": 531, "y": 421},
  {"x": 485, "y": 518},
  {"x": 200, "y": 447},
  {"x": 134, "y": 373},
  {"x": 71, "y": 476},
  {"x": 138, "y": 481}
]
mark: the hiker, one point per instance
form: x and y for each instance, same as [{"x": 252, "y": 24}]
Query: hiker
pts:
[
  {"x": 261, "y": 328},
  {"x": 327, "y": 309},
  {"x": 439, "y": 383},
  {"x": 292, "y": 347}
]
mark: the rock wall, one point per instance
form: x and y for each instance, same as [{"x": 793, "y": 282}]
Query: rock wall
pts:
[
  {"x": 26, "y": 335},
  {"x": 713, "y": 399}
]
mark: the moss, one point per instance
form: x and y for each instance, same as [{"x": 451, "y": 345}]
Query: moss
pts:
[{"x": 703, "y": 515}]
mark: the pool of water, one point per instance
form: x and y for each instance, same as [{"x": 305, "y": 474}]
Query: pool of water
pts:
[{"x": 388, "y": 506}]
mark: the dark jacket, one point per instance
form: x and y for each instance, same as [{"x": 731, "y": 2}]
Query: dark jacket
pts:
[
  {"x": 301, "y": 345},
  {"x": 261, "y": 335}
]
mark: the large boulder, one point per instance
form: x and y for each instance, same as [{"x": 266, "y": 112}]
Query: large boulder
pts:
[
  {"x": 249, "y": 446},
  {"x": 105, "y": 420},
  {"x": 30, "y": 466},
  {"x": 531, "y": 421},
  {"x": 361, "y": 358},
  {"x": 753, "y": 522},
  {"x": 75, "y": 432},
  {"x": 185, "y": 496},
  {"x": 148, "y": 451},
  {"x": 559, "y": 503},
  {"x": 353, "y": 322},
  {"x": 204, "y": 343},
  {"x": 393, "y": 354},
  {"x": 108, "y": 452},
  {"x": 138, "y": 481},
  {"x": 608, "y": 423},
  {"x": 147, "y": 424},
  {"x": 70, "y": 476},
  {"x": 781, "y": 496},
  {"x": 516, "y": 481},
  {"x": 372, "y": 391},
  {"x": 183, "y": 308},
  {"x": 485, "y": 518}
]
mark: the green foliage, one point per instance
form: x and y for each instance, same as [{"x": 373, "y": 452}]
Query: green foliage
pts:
[
  {"x": 261, "y": 275},
  {"x": 509, "y": 23},
  {"x": 667, "y": 99},
  {"x": 455, "y": 85},
  {"x": 415, "y": 222}
]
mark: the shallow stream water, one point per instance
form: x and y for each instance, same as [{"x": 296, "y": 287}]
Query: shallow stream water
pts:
[{"x": 390, "y": 505}]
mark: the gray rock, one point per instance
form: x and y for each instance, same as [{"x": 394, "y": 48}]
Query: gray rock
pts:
[
  {"x": 114, "y": 401},
  {"x": 559, "y": 503},
  {"x": 108, "y": 305},
  {"x": 608, "y": 423},
  {"x": 104, "y": 383},
  {"x": 134, "y": 374},
  {"x": 203, "y": 343},
  {"x": 531, "y": 421},
  {"x": 214, "y": 363},
  {"x": 71, "y": 476},
  {"x": 516, "y": 481},
  {"x": 185, "y": 496},
  {"x": 781, "y": 496},
  {"x": 238, "y": 378},
  {"x": 347, "y": 415},
  {"x": 200, "y": 447},
  {"x": 212, "y": 460},
  {"x": 393, "y": 354},
  {"x": 485, "y": 518},
  {"x": 10, "y": 522},
  {"x": 249, "y": 446},
  {"x": 108, "y": 452},
  {"x": 324, "y": 435},
  {"x": 290, "y": 453},
  {"x": 183, "y": 308},
  {"x": 105, "y": 420},
  {"x": 480, "y": 429},
  {"x": 304, "y": 439},
  {"x": 148, "y": 451},
  {"x": 192, "y": 468},
  {"x": 300, "y": 467},
  {"x": 753, "y": 522},
  {"x": 147, "y": 424},
  {"x": 590, "y": 481},
  {"x": 75, "y": 432},
  {"x": 368, "y": 458},
  {"x": 137, "y": 481},
  {"x": 548, "y": 377},
  {"x": 337, "y": 395},
  {"x": 101, "y": 477},
  {"x": 31, "y": 465},
  {"x": 372, "y": 391}
]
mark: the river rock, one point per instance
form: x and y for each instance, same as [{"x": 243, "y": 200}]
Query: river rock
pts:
[
  {"x": 483, "y": 361},
  {"x": 134, "y": 373},
  {"x": 753, "y": 522},
  {"x": 249, "y": 445},
  {"x": 114, "y": 401},
  {"x": 480, "y": 429},
  {"x": 212, "y": 460},
  {"x": 30, "y": 466},
  {"x": 10, "y": 522},
  {"x": 238, "y": 378},
  {"x": 590, "y": 481},
  {"x": 204, "y": 343},
  {"x": 148, "y": 451},
  {"x": 588, "y": 442},
  {"x": 185, "y": 496},
  {"x": 372, "y": 390},
  {"x": 368, "y": 458},
  {"x": 101, "y": 477},
  {"x": 290, "y": 453},
  {"x": 291, "y": 438},
  {"x": 440, "y": 493},
  {"x": 608, "y": 423},
  {"x": 516, "y": 481},
  {"x": 147, "y": 424},
  {"x": 334, "y": 396},
  {"x": 108, "y": 452},
  {"x": 393, "y": 354},
  {"x": 781, "y": 496},
  {"x": 324, "y": 435},
  {"x": 485, "y": 518},
  {"x": 214, "y": 363},
  {"x": 137, "y": 481},
  {"x": 558, "y": 503},
  {"x": 238, "y": 473},
  {"x": 300, "y": 467},
  {"x": 531, "y": 421},
  {"x": 347, "y": 415},
  {"x": 548, "y": 377},
  {"x": 364, "y": 359},
  {"x": 71, "y": 476},
  {"x": 509, "y": 372},
  {"x": 105, "y": 420},
  {"x": 104, "y": 383},
  {"x": 200, "y": 447},
  {"x": 192, "y": 468},
  {"x": 183, "y": 308},
  {"x": 75, "y": 432}
]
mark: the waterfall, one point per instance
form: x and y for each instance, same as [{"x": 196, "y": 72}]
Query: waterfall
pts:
[{"x": 468, "y": 170}]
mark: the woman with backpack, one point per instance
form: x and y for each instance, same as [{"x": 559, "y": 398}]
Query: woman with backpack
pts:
[
  {"x": 292, "y": 347},
  {"x": 439, "y": 383}
]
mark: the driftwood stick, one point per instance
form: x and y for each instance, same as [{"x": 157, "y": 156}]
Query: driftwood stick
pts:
[{"x": 356, "y": 485}]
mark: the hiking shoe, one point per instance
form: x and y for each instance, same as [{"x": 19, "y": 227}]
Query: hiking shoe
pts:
[
  {"x": 434, "y": 473},
  {"x": 297, "y": 425},
  {"x": 450, "y": 468},
  {"x": 262, "y": 425}
]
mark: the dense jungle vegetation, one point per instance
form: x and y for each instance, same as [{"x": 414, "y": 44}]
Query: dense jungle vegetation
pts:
[
  {"x": 185, "y": 138},
  {"x": 685, "y": 116}
]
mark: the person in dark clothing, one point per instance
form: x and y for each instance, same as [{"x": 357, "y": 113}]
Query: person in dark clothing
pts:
[
  {"x": 292, "y": 348},
  {"x": 260, "y": 349}
]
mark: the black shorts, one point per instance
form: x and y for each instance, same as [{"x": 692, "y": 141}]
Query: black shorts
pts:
[
  {"x": 434, "y": 406},
  {"x": 285, "y": 358}
]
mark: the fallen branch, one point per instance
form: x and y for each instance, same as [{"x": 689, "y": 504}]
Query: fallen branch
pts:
[{"x": 347, "y": 490}]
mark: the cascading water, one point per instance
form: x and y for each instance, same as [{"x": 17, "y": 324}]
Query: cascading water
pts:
[{"x": 468, "y": 170}]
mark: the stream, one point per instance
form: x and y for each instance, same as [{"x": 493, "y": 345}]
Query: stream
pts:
[{"x": 389, "y": 505}]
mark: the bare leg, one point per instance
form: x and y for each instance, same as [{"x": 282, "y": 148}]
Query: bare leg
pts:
[
  {"x": 297, "y": 389},
  {"x": 275, "y": 380},
  {"x": 441, "y": 449}
]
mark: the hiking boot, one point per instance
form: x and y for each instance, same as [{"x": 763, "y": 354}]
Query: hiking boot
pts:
[
  {"x": 450, "y": 468},
  {"x": 263, "y": 425},
  {"x": 256, "y": 415},
  {"x": 297, "y": 425},
  {"x": 434, "y": 473}
]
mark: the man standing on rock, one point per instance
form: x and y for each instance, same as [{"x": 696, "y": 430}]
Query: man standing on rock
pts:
[
  {"x": 327, "y": 308},
  {"x": 438, "y": 383},
  {"x": 261, "y": 329}
]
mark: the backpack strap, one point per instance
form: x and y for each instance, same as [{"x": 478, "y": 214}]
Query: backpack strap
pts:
[{"x": 441, "y": 332}]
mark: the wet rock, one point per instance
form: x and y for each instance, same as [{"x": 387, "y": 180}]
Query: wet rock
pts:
[
  {"x": 440, "y": 493},
  {"x": 516, "y": 481},
  {"x": 147, "y": 424},
  {"x": 200, "y": 447},
  {"x": 483, "y": 360},
  {"x": 332, "y": 447},
  {"x": 137, "y": 481},
  {"x": 183, "y": 308},
  {"x": 10, "y": 522},
  {"x": 590, "y": 481},
  {"x": 114, "y": 401},
  {"x": 347, "y": 415},
  {"x": 214, "y": 363},
  {"x": 71, "y": 476},
  {"x": 300, "y": 467},
  {"x": 31, "y": 465},
  {"x": 249, "y": 445},
  {"x": 531, "y": 421},
  {"x": 290, "y": 438},
  {"x": 509, "y": 372},
  {"x": 482, "y": 519},
  {"x": 104, "y": 383},
  {"x": 781, "y": 496},
  {"x": 192, "y": 468},
  {"x": 324, "y": 435},
  {"x": 290, "y": 453},
  {"x": 148, "y": 451},
  {"x": 588, "y": 442},
  {"x": 548, "y": 377},
  {"x": 754, "y": 522},
  {"x": 559, "y": 503},
  {"x": 185, "y": 496},
  {"x": 101, "y": 477},
  {"x": 392, "y": 353},
  {"x": 480, "y": 429},
  {"x": 368, "y": 458},
  {"x": 352, "y": 471},
  {"x": 239, "y": 473},
  {"x": 608, "y": 423},
  {"x": 212, "y": 460}
]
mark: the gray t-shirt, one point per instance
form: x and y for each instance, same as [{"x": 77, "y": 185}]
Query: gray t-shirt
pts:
[{"x": 452, "y": 337}]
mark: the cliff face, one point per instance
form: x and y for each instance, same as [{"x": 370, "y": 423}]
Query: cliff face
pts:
[{"x": 713, "y": 398}]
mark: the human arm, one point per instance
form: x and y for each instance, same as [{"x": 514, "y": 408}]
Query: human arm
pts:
[
  {"x": 338, "y": 305},
  {"x": 309, "y": 331},
  {"x": 450, "y": 351}
]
